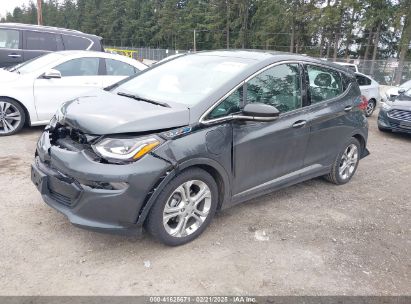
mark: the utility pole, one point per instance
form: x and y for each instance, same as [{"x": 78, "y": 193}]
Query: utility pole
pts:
[
  {"x": 39, "y": 13},
  {"x": 194, "y": 42}
]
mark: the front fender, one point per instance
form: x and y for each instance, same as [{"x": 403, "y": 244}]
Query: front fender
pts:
[{"x": 195, "y": 162}]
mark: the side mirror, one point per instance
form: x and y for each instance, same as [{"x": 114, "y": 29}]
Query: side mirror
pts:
[
  {"x": 52, "y": 74},
  {"x": 401, "y": 90},
  {"x": 260, "y": 112}
]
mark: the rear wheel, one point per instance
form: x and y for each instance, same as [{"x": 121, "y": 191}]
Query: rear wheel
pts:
[
  {"x": 370, "y": 107},
  {"x": 12, "y": 117},
  {"x": 184, "y": 208},
  {"x": 346, "y": 163}
]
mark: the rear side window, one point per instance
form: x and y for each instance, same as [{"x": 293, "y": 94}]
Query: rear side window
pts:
[
  {"x": 118, "y": 68},
  {"x": 79, "y": 67},
  {"x": 363, "y": 81},
  {"x": 9, "y": 39},
  {"x": 324, "y": 83},
  {"x": 75, "y": 43},
  {"x": 41, "y": 41}
]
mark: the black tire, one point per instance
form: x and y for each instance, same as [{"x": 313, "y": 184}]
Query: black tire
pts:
[
  {"x": 369, "y": 112},
  {"x": 17, "y": 125},
  {"x": 154, "y": 222},
  {"x": 335, "y": 176}
]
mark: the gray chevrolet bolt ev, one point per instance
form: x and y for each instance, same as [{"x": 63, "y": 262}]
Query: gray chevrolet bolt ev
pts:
[{"x": 169, "y": 147}]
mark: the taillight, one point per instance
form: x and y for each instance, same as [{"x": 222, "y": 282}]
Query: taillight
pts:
[{"x": 364, "y": 103}]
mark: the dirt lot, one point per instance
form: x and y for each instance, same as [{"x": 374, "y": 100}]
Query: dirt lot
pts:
[{"x": 322, "y": 239}]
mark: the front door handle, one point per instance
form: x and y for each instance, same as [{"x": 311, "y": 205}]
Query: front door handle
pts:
[
  {"x": 299, "y": 124},
  {"x": 14, "y": 55},
  {"x": 348, "y": 108}
]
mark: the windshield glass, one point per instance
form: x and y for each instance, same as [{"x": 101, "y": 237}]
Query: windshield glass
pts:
[
  {"x": 408, "y": 93},
  {"x": 36, "y": 63},
  {"x": 187, "y": 79},
  {"x": 406, "y": 85}
]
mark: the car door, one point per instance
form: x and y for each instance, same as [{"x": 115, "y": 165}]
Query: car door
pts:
[
  {"x": 117, "y": 70},
  {"x": 332, "y": 102},
  {"x": 11, "y": 52},
  {"x": 78, "y": 76},
  {"x": 263, "y": 152}
]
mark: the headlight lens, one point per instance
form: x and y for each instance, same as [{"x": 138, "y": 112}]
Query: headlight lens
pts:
[
  {"x": 386, "y": 106},
  {"x": 126, "y": 149}
]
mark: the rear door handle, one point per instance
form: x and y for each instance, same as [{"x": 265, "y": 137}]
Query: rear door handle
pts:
[
  {"x": 299, "y": 123},
  {"x": 348, "y": 108},
  {"x": 14, "y": 55}
]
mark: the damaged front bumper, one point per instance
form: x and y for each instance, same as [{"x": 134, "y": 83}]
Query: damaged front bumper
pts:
[{"x": 93, "y": 195}]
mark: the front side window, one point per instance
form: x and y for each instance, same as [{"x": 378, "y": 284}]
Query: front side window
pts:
[
  {"x": 9, "y": 39},
  {"x": 41, "y": 41},
  {"x": 229, "y": 105},
  {"x": 279, "y": 86},
  {"x": 324, "y": 83},
  {"x": 79, "y": 67},
  {"x": 118, "y": 68}
]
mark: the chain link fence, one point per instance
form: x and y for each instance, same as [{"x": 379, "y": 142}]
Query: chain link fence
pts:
[{"x": 383, "y": 71}]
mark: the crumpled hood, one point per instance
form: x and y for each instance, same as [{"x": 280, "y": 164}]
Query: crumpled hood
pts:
[{"x": 100, "y": 112}]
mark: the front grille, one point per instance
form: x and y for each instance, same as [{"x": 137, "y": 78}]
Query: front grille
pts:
[
  {"x": 74, "y": 140},
  {"x": 60, "y": 198},
  {"x": 400, "y": 115}
]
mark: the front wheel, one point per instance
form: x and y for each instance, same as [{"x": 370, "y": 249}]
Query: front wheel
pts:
[
  {"x": 184, "y": 208},
  {"x": 346, "y": 163},
  {"x": 12, "y": 117}
]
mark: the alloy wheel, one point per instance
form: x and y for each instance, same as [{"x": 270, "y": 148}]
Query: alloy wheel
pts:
[
  {"x": 348, "y": 162},
  {"x": 187, "y": 208},
  {"x": 10, "y": 117},
  {"x": 370, "y": 108}
]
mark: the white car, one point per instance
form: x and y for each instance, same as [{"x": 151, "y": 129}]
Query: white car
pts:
[
  {"x": 31, "y": 92},
  {"x": 371, "y": 90},
  {"x": 393, "y": 92},
  {"x": 351, "y": 66}
]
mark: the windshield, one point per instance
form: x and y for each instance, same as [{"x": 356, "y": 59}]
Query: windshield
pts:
[
  {"x": 36, "y": 63},
  {"x": 408, "y": 93},
  {"x": 406, "y": 85},
  {"x": 187, "y": 79}
]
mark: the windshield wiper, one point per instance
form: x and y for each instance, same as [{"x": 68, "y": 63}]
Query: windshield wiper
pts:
[{"x": 136, "y": 97}]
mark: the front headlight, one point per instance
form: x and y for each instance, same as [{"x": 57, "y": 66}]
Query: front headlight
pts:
[
  {"x": 386, "y": 106},
  {"x": 126, "y": 149}
]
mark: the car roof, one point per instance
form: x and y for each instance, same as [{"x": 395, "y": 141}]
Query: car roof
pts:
[
  {"x": 266, "y": 56},
  {"x": 42, "y": 28},
  {"x": 346, "y": 63}
]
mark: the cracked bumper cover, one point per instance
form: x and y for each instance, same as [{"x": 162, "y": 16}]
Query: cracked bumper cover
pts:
[{"x": 64, "y": 178}]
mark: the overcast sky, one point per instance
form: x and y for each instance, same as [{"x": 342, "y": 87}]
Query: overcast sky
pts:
[{"x": 9, "y": 5}]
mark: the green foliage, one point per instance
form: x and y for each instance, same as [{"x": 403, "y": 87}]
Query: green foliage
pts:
[{"x": 326, "y": 28}]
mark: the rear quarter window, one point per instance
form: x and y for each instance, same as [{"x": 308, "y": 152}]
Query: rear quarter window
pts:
[
  {"x": 75, "y": 42},
  {"x": 363, "y": 81}
]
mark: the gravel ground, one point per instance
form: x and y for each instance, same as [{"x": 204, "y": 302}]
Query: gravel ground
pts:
[{"x": 310, "y": 239}]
